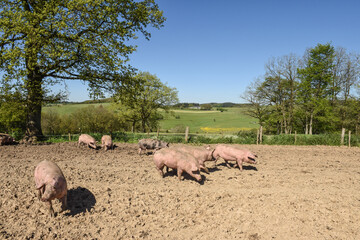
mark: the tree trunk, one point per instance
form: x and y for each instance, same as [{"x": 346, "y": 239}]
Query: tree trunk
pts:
[
  {"x": 310, "y": 123},
  {"x": 143, "y": 124},
  {"x": 34, "y": 104}
]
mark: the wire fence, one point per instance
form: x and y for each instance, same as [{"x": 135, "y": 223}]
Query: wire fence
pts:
[{"x": 332, "y": 139}]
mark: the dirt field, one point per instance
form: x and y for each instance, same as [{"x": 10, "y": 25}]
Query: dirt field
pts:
[{"x": 293, "y": 193}]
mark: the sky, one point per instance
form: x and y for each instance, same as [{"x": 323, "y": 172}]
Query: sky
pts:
[{"x": 211, "y": 50}]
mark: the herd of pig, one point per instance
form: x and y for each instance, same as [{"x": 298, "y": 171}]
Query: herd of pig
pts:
[{"x": 51, "y": 183}]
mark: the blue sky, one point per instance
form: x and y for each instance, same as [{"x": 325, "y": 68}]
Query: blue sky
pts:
[{"x": 211, "y": 50}]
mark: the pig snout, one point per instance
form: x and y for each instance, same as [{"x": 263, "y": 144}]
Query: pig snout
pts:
[{"x": 251, "y": 159}]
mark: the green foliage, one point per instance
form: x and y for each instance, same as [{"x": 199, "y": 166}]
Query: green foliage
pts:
[
  {"x": 12, "y": 112},
  {"x": 140, "y": 106},
  {"x": 312, "y": 97},
  {"x": 43, "y": 43},
  {"x": 88, "y": 119},
  {"x": 205, "y": 107}
]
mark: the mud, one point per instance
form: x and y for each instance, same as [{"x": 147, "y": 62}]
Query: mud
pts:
[{"x": 295, "y": 192}]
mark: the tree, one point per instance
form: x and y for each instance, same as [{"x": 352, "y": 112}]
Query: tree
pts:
[
  {"x": 12, "y": 111},
  {"x": 205, "y": 106},
  {"x": 258, "y": 107},
  {"x": 141, "y": 105},
  {"x": 45, "y": 42},
  {"x": 316, "y": 82}
]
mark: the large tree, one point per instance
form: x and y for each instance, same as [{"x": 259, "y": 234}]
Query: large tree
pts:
[
  {"x": 141, "y": 105},
  {"x": 43, "y": 42},
  {"x": 316, "y": 86}
]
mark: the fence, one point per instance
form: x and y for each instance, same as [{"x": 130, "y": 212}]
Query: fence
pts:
[{"x": 244, "y": 137}]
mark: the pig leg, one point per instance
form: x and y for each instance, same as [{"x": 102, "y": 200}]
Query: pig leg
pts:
[
  {"x": 239, "y": 163},
  {"x": 194, "y": 176},
  {"x": 179, "y": 172},
  {"x": 227, "y": 163},
  {"x": 51, "y": 210},
  {"x": 139, "y": 151},
  {"x": 205, "y": 169},
  {"x": 160, "y": 169},
  {"x": 64, "y": 203},
  {"x": 40, "y": 192}
]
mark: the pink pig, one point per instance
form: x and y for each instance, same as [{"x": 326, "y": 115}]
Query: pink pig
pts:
[
  {"x": 201, "y": 154},
  {"x": 231, "y": 153},
  {"x": 50, "y": 183},
  {"x": 106, "y": 142},
  {"x": 181, "y": 161},
  {"x": 88, "y": 140}
]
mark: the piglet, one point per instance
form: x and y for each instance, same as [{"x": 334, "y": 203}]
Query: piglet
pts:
[
  {"x": 106, "y": 142},
  {"x": 50, "y": 183},
  {"x": 181, "y": 161},
  {"x": 88, "y": 140}
]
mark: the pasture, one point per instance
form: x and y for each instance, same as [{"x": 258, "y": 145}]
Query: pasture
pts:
[
  {"x": 230, "y": 121},
  {"x": 294, "y": 192}
]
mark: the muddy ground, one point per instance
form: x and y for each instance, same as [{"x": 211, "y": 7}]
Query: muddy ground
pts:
[{"x": 295, "y": 192}]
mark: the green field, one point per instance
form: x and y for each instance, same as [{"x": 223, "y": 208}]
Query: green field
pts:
[
  {"x": 230, "y": 121},
  {"x": 70, "y": 108}
]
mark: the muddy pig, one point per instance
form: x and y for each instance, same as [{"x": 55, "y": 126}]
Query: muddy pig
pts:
[
  {"x": 231, "y": 153},
  {"x": 88, "y": 140},
  {"x": 106, "y": 142},
  {"x": 50, "y": 183},
  {"x": 152, "y": 144},
  {"x": 6, "y": 139},
  {"x": 181, "y": 161},
  {"x": 202, "y": 154}
]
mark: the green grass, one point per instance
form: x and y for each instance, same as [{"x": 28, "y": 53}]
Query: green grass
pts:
[
  {"x": 231, "y": 121},
  {"x": 70, "y": 108}
]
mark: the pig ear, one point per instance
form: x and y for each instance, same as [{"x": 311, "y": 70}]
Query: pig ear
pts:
[{"x": 208, "y": 147}]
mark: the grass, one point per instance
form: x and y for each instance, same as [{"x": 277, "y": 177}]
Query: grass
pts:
[
  {"x": 70, "y": 108},
  {"x": 232, "y": 120}
]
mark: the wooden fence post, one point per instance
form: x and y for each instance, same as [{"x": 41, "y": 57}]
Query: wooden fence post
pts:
[
  {"x": 295, "y": 138},
  {"x": 69, "y": 137},
  {"x": 187, "y": 134},
  {"x": 257, "y": 137},
  {"x": 342, "y": 136},
  {"x": 260, "y": 137},
  {"x": 349, "y": 138}
]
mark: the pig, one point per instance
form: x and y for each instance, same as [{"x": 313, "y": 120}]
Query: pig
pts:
[
  {"x": 181, "y": 161},
  {"x": 50, "y": 183},
  {"x": 200, "y": 153},
  {"x": 152, "y": 144},
  {"x": 231, "y": 153},
  {"x": 6, "y": 139},
  {"x": 106, "y": 142},
  {"x": 88, "y": 140}
]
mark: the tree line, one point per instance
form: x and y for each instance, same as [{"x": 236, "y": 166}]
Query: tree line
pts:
[
  {"x": 132, "y": 108},
  {"x": 313, "y": 94}
]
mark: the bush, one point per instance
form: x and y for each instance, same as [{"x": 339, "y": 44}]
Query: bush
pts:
[{"x": 179, "y": 129}]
